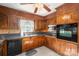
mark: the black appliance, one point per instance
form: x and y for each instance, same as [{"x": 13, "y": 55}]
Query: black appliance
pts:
[
  {"x": 67, "y": 32},
  {"x": 14, "y": 47}
]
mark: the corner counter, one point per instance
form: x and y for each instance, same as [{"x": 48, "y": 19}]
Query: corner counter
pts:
[{"x": 34, "y": 40}]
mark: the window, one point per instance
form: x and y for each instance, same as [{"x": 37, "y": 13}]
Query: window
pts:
[{"x": 26, "y": 26}]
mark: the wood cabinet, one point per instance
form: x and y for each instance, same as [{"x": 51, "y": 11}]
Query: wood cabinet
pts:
[
  {"x": 71, "y": 49},
  {"x": 62, "y": 47},
  {"x": 71, "y": 18},
  {"x": 1, "y": 51},
  {"x": 38, "y": 41},
  {"x": 51, "y": 21},
  {"x": 54, "y": 42},
  {"x": 13, "y": 24},
  {"x": 35, "y": 42},
  {"x": 49, "y": 42},
  {"x": 32, "y": 42},
  {"x": 3, "y": 48},
  {"x": 58, "y": 45},
  {"x": 67, "y": 13},
  {"x": 9, "y": 24},
  {"x": 41, "y": 25},
  {"x": 25, "y": 44},
  {"x": 3, "y": 23}
]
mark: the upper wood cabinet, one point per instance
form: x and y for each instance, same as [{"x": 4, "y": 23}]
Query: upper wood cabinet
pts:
[
  {"x": 67, "y": 13},
  {"x": 51, "y": 21},
  {"x": 13, "y": 24},
  {"x": 9, "y": 24},
  {"x": 3, "y": 21},
  {"x": 40, "y": 25}
]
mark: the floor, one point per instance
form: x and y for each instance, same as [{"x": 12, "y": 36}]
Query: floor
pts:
[{"x": 42, "y": 51}]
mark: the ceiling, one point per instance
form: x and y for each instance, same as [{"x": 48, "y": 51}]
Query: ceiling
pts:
[{"x": 30, "y": 7}]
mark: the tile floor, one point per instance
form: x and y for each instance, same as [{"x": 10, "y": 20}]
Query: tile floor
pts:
[{"x": 42, "y": 51}]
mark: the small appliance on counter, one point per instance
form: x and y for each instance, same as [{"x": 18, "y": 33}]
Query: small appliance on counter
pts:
[{"x": 52, "y": 29}]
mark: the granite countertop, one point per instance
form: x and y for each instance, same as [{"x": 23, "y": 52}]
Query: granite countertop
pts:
[
  {"x": 14, "y": 37},
  {"x": 10, "y": 37}
]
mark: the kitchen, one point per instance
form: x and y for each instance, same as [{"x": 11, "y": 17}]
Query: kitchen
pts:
[{"x": 23, "y": 32}]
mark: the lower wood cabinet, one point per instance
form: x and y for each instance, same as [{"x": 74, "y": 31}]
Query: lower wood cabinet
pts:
[
  {"x": 35, "y": 42},
  {"x": 71, "y": 49},
  {"x": 62, "y": 47},
  {"x": 26, "y": 44},
  {"x": 3, "y": 48},
  {"x": 29, "y": 43},
  {"x": 17, "y": 46},
  {"x": 1, "y": 51},
  {"x": 49, "y": 42}
]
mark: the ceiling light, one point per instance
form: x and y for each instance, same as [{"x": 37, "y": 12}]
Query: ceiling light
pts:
[{"x": 38, "y": 5}]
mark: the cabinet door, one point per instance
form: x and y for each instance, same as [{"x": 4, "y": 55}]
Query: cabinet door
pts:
[
  {"x": 5, "y": 48},
  {"x": 25, "y": 44},
  {"x": 3, "y": 24},
  {"x": 40, "y": 40},
  {"x": 53, "y": 45},
  {"x": 51, "y": 21},
  {"x": 41, "y": 25},
  {"x": 13, "y": 24},
  {"x": 63, "y": 47},
  {"x": 3, "y": 21},
  {"x": 35, "y": 41},
  {"x": 69, "y": 16},
  {"x": 49, "y": 42},
  {"x": 58, "y": 44},
  {"x": 71, "y": 49}
]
